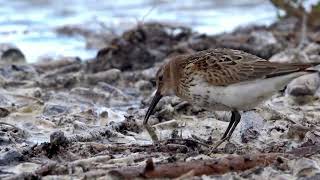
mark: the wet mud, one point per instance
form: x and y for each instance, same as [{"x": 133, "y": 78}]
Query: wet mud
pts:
[{"x": 69, "y": 118}]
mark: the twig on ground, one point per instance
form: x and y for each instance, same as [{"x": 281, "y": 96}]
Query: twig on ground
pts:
[{"x": 199, "y": 167}]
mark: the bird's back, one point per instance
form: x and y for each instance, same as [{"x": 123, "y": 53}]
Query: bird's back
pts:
[
  {"x": 222, "y": 67},
  {"x": 226, "y": 73}
]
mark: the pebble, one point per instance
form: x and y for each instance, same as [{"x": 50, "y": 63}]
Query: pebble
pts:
[
  {"x": 25, "y": 167},
  {"x": 262, "y": 39},
  {"x": 54, "y": 109},
  {"x": 18, "y": 72},
  {"x": 166, "y": 112},
  {"x": 297, "y": 132},
  {"x": 143, "y": 85},
  {"x": 9, "y": 54},
  {"x": 302, "y": 89},
  {"x": 293, "y": 55},
  {"x": 289, "y": 56},
  {"x": 230, "y": 148},
  {"x": 313, "y": 52},
  {"x": 109, "y": 76},
  {"x": 305, "y": 167},
  {"x": 9, "y": 157},
  {"x": 92, "y": 95},
  {"x": 58, "y": 139},
  {"x": 4, "y": 112}
]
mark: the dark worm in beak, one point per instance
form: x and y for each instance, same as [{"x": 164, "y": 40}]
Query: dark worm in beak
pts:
[{"x": 154, "y": 102}]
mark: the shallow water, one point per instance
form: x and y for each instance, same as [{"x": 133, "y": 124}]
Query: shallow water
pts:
[
  {"x": 31, "y": 24},
  {"x": 101, "y": 115}
]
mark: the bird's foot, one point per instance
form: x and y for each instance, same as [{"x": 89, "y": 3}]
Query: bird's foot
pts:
[
  {"x": 214, "y": 147},
  {"x": 152, "y": 133}
]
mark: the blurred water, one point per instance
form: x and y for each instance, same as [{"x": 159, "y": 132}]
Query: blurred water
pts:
[{"x": 30, "y": 24}]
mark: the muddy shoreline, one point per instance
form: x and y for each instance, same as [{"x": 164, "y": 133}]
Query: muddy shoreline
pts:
[{"x": 69, "y": 118}]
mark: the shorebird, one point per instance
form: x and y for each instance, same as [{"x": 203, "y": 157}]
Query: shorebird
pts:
[{"x": 223, "y": 80}]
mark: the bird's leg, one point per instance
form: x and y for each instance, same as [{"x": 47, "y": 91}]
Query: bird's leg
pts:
[
  {"x": 235, "y": 119},
  {"x": 232, "y": 120},
  {"x": 151, "y": 132},
  {"x": 236, "y": 115}
]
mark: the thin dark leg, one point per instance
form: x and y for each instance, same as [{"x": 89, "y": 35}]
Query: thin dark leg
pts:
[
  {"x": 232, "y": 120},
  {"x": 237, "y": 118}
]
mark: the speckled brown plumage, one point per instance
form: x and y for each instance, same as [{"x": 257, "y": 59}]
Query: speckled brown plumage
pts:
[
  {"x": 224, "y": 79},
  {"x": 223, "y": 67}
]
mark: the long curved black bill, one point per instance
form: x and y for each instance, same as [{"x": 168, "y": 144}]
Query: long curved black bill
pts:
[{"x": 153, "y": 104}]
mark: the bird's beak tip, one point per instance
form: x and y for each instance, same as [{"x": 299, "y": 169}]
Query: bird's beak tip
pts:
[{"x": 156, "y": 98}]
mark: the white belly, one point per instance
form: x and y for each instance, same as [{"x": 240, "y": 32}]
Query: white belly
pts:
[{"x": 238, "y": 96}]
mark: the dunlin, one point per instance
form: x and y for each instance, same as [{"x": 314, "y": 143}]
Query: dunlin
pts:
[{"x": 223, "y": 80}]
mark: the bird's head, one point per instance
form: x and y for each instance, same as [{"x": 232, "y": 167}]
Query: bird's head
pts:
[{"x": 164, "y": 83}]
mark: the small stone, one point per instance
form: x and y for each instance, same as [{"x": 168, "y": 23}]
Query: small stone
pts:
[
  {"x": 53, "y": 110},
  {"x": 315, "y": 36},
  {"x": 262, "y": 38},
  {"x": 297, "y": 131},
  {"x": 60, "y": 81},
  {"x": 289, "y": 56},
  {"x": 166, "y": 112},
  {"x": 173, "y": 100},
  {"x": 25, "y": 167},
  {"x": 104, "y": 114},
  {"x": 313, "y": 52},
  {"x": 45, "y": 64},
  {"x": 90, "y": 94},
  {"x": 143, "y": 85},
  {"x": 5, "y": 101},
  {"x": 302, "y": 89},
  {"x": 311, "y": 138},
  {"x": 249, "y": 135},
  {"x": 12, "y": 55},
  {"x": 37, "y": 93},
  {"x": 112, "y": 90},
  {"x": 109, "y": 76},
  {"x": 230, "y": 148},
  {"x": 3, "y": 81},
  {"x": 174, "y": 134},
  {"x": 58, "y": 139},
  {"x": 4, "y": 112},
  {"x": 315, "y": 177},
  {"x": 305, "y": 167},
  {"x": 149, "y": 74},
  {"x": 10, "y": 157},
  {"x": 18, "y": 72},
  {"x": 307, "y": 55},
  {"x": 252, "y": 126},
  {"x": 260, "y": 42}
]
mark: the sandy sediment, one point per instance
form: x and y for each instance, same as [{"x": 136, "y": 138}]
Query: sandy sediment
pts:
[{"x": 70, "y": 118}]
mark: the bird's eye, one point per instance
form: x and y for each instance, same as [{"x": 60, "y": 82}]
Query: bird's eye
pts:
[{"x": 160, "y": 78}]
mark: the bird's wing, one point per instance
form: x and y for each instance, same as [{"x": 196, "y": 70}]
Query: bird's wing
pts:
[{"x": 222, "y": 67}]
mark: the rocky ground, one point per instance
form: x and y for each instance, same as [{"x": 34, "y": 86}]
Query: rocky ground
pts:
[{"x": 70, "y": 118}]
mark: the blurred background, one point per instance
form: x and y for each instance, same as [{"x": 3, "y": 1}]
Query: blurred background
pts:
[{"x": 41, "y": 28}]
